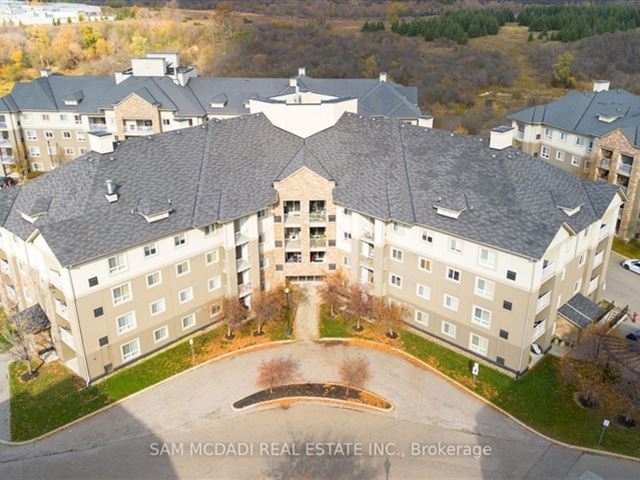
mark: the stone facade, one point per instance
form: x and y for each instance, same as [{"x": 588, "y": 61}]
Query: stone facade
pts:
[{"x": 135, "y": 107}]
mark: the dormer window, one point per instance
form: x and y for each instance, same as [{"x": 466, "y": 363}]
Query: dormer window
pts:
[
  {"x": 38, "y": 209},
  {"x": 571, "y": 211},
  {"x": 608, "y": 118},
  {"x": 219, "y": 101},
  {"x": 447, "y": 212},
  {"x": 154, "y": 211},
  {"x": 451, "y": 204}
]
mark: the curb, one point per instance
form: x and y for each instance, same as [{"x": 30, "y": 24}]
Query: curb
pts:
[
  {"x": 335, "y": 401},
  {"x": 382, "y": 347},
  {"x": 224, "y": 356}
]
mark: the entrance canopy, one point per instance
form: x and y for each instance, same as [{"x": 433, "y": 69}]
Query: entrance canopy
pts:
[{"x": 581, "y": 311}]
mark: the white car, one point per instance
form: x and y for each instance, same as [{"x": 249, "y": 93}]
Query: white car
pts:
[{"x": 633, "y": 265}]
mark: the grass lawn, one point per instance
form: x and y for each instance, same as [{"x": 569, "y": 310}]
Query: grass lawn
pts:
[
  {"x": 625, "y": 248},
  {"x": 57, "y": 397},
  {"x": 540, "y": 399}
]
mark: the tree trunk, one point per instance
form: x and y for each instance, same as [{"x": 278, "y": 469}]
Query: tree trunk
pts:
[
  {"x": 332, "y": 312},
  {"x": 228, "y": 331}
]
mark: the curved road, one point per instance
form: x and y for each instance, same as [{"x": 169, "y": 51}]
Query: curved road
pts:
[{"x": 196, "y": 407}]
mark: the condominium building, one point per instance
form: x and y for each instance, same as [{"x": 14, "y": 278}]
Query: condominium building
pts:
[
  {"x": 592, "y": 135},
  {"x": 134, "y": 244},
  {"x": 49, "y": 118}
]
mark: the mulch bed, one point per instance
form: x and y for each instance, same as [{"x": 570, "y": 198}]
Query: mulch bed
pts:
[{"x": 314, "y": 390}]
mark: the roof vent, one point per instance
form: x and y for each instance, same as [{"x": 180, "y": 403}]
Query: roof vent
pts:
[
  {"x": 383, "y": 77},
  {"x": 302, "y": 71},
  {"x": 601, "y": 85},
  {"x": 112, "y": 191},
  {"x": 501, "y": 137},
  {"x": 101, "y": 141},
  {"x": 293, "y": 82},
  {"x": 45, "y": 72}
]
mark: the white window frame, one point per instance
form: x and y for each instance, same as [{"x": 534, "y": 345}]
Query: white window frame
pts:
[
  {"x": 188, "y": 292},
  {"x": 217, "y": 283},
  {"x": 214, "y": 257},
  {"x": 481, "y": 320},
  {"x": 129, "y": 326},
  {"x": 563, "y": 136},
  {"x": 69, "y": 151},
  {"x": 427, "y": 260},
  {"x": 32, "y": 135},
  {"x": 449, "y": 329},
  {"x": 559, "y": 155},
  {"x": 128, "y": 357},
  {"x": 128, "y": 298},
  {"x": 120, "y": 263},
  {"x": 427, "y": 291},
  {"x": 455, "y": 301},
  {"x": 397, "y": 254},
  {"x": 188, "y": 270},
  {"x": 180, "y": 240},
  {"x": 209, "y": 230},
  {"x": 577, "y": 286},
  {"x": 548, "y": 133},
  {"x": 426, "y": 236},
  {"x": 393, "y": 276},
  {"x": 66, "y": 134},
  {"x": 152, "y": 275},
  {"x": 164, "y": 329},
  {"x": 160, "y": 301},
  {"x": 477, "y": 349},
  {"x": 421, "y": 317},
  {"x": 451, "y": 269},
  {"x": 34, "y": 151},
  {"x": 575, "y": 160},
  {"x": 485, "y": 293},
  {"x": 488, "y": 263},
  {"x": 37, "y": 166},
  {"x": 152, "y": 248},
  {"x": 192, "y": 321},
  {"x": 545, "y": 152},
  {"x": 455, "y": 245},
  {"x": 48, "y": 134},
  {"x": 80, "y": 136}
]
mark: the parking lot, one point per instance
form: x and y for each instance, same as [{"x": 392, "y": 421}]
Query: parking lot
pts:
[{"x": 623, "y": 286}]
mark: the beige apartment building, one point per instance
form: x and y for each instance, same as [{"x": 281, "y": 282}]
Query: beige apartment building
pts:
[
  {"x": 50, "y": 117},
  {"x": 482, "y": 242},
  {"x": 582, "y": 133}
]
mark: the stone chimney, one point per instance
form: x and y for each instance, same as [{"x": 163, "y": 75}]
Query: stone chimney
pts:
[
  {"x": 101, "y": 141},
  {"x": 601, "y": 85},
  {"x": 501, "y": 137}
]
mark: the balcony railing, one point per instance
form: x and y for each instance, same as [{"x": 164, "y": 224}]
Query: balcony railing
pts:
[
  {"x": 598, "y": 258},
  {"x": 318, "y": 242},
  {"x": 368, "y": 234},
  {"x": 624, "y": 169},
  {"x": 292, "y": 244},
  {"x": 97, "y": 126},
  {"x": 547, "y": 271},
  {"x": 292, "y": 218},
  {"x": 593, "y": 284},
  {"x": 293, "y": 260},
  {"x": 8, "y": 159},
  {"x": 3, "y": 125},
  {"x": 604, "y": 162},
  {"x": 243, "y": 264},
  {"x": 539, "y": 329},
  {"x": 244, "y": 289},
  {"x": 543, "y": 302},
  {"x": 139, "y": 129},
  {"x": 5, "y": 141},
  {"x": 520, "y": 134},
  {"x": 320, "y": 216},
  {"x": 62, "y": 309},
  {"x": 240, "y": 237},
  {"x": 604, "y": 231}
]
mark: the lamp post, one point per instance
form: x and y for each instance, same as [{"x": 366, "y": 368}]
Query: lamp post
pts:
[{"x": 287, "y": 292}]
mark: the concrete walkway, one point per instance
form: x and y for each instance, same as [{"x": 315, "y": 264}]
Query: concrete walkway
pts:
[
  {"x": 196, "y": 407},
  {"x": 306, "y": 323},
  {"x": 5, "y": 411}
]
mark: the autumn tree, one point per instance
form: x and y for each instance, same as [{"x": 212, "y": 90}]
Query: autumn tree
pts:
[
  {"x": 588, "y": 379},
  {"x": 234, "y": 314},
  {"x": 139, "y": 45},
  {"x": 627, "y": 400},
  {"x": 563, "y": 71},
  {"x": 276, "y": 372},
  {"x": 266, "y": 306},
  {"x": 592, "y": 342},
  {"x": 21, "y": 341},
  {"x": 333, "y": 291},
  {"x": 66, "y": 47},
  {"x": 20, "y": 162},
  {"x": 354, "y": 372},
  {"x": 390, "y": 314},
  {"x": 358, "y": 305},
  {"x": 38, "y": 46}
]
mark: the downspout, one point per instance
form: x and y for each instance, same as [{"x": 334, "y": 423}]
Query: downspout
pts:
[
  {"x": 75, "y": 307},
  {"x": 526, "y": 324}
]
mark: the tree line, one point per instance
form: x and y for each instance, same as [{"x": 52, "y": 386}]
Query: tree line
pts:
[{"x": 571, "y": 23}]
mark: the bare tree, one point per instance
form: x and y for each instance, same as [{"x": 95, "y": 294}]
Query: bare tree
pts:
[
  {"x": 333, "y": 291},
  {"x": 590, "y": 347},
  {"x": 21, "y": 341},
  {"x": 627, "y": 400},
  {"x": 266, "y": 306},
  {"x": 588, "y": 379},
  {"x": 390, "y": 314},
  {"x": 358, "y": 305},
  {"x": 21, "y": 163},
  {"x": 276, "y": 372},
  {"x": 354, "y": 372},
  {"x": 235, "y": 314}
]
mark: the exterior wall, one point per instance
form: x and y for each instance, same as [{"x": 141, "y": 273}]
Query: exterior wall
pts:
[
  {"x": 136, "y": 108},
  {"x": 613, "y": 171}
]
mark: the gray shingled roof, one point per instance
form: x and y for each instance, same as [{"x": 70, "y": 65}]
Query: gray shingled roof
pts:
[
  {"x": 381, "y": 167},
  {"x": 33, "y": 319},
  {"x": 194, "y": 99},
  {"x": 581, "y": 311},
  {"x": 578, "y": 112}
]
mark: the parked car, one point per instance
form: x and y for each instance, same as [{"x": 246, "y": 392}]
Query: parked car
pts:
[
  {"x": 635, "y": 336},
  {"x": 633, "y": 265},
  {"x": 6, "y": 182}
]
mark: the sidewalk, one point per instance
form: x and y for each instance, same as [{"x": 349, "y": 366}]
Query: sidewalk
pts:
[
  {"x": 306, "y": 323},
  {"x": 5, "y": 411}
]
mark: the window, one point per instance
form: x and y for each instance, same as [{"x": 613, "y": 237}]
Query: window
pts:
[
  {"x": 424, "y": 264},
  {"x": 34, "y": 152},
  {"x": 560, "y": 156},
  {"x": 215, "y": 309},
  {"x": 504, "y": 334},
  {"x": 126, "y": 322},
  {"x": 32, "y": 135},
  {"x": 130, "y": 350},
  {"x": 45, "y": 117},
  {"x": 422, "y": 317},
  {"x": 93, "y": 281},
  {"x": 98, "y": 312},
  {"x": 80, "y": 136},
  {"x": 582, "y": 259},
  {"x": 563, "y": 136},
  {"x": 209, "y": 230},
  {"x": 68, "y": 151},
  {"x": 449, "y": 329},
  {"x": 121, "y": 294},
  {"x": 150, "y": 250},
  {"x": 544, "y": 151},
  {"x": 117, "y": 263},
  {"x": 160, "y": 334},
  {"x": 347, "y": 236},
  {"x": 487, "y": 258},
  {"x": 481, "y": 317},
  {"x": 346, "y": 261},
  {"x": 212, "y": 257},
  {"x": 423, "y": 291},
  {"x": 157, "y": 307},
  {"x": 575, "y": 160},
  {"x": 66, "y": 134},
  {"x": 511, "y": 275},
  {"x": 78, "y": 121},
  {"x": 507, "y": 305},
  {"x": 453, "y": 274},
  {"x": 455, "y": 245},
  {"x": 188, "y": 321},
  {"x": 485, "y": 288},
  {"x": 399, "y": 228},
  {"x": 478, "y": 344},
  {"x": 451, "y": 302},
  {"x": 426, "y": 236},
  {"x": 263, "y": 213},
  {"x": 214, "y": 283},
  {"x": 180, "y": 240},
  {"x": 48, "y": 134},
  {"x": 166, "y": 121},
  {"x": 590, "y": 147},
  {"x": 37, "y": 166},
  {"x": 264, "y": 262},
  {"x": 63, "y": 117},
  {"x": 82, "y": 151},
  {"x": 185, "y": 295},
  {"x": 182, "y": 268},
  {"x": 396, "y": 254},
  {"x": 548, "y": 133},
  {"x": 52, "y": 150},
  {"x": 577, "y": 286},
  {"x": 396, "y": 280},
  {"x": 154, "y": 279},
  {"x": 579, "y": 140}
]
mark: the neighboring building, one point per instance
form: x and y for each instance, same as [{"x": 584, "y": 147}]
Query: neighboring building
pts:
[
  {"x": 128, "y": 248},
  {"x": 51, "y": 116},
  {"x": 14, "y": 12},
  {"x": 592, "y": 134}
]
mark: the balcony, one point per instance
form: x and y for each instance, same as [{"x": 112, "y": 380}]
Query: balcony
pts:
[
  {"x": 539, "y": 329},
  {"x": 318, "y": 242},
  {"x": 97, "y": 126},
  {"x": 138, "y": 130},
  {"x": 8, "y": 160},
  {"x": 543, "y": 302},
  {"x": 519, "y": 134},
  {"x": 3, "y": 126},
  {"x": 547, "y": 270},
  {"x": 292, "y": 218},
  {"x": 593, "y": 285},
  {"x": 318, "y": 216},
  {"x": 240, "y": 238},
  {"x": 243, "y": 264},
  {"x": 293, "y": 257},
  {"x": 604, "y": 162},
  {"x": 292, "y": 244},
  {"x": 598, "y": 258},
  {"x": 5, "y": 142},
  {"x": 368, "y": 234},
  {"x": 244, "y": 289},
  {"x": 625, "y": 169},
  {"x": 604, "y": 231},
  {"x": 62, "y": 309}
]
